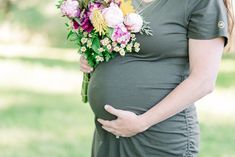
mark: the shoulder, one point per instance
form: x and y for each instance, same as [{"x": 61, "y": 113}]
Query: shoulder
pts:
[
  {"x": 201, "y": 4},
  {"x": 205, "y": 7}
]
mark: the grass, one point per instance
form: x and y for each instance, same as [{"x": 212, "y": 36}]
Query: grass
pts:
[
  {"x": 41, "y": 113},
  {"x": 39, "y": 124},
  {"x": 227, "y": 72}
]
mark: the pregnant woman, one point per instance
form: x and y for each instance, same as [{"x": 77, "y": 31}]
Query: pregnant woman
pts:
[{"x": 144, "y": 102}]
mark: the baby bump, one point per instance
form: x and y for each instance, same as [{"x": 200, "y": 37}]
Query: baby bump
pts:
[{"x": 129, "y": 86}]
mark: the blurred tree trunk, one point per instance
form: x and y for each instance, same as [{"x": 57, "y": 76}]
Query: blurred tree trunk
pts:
[{"x": 5, "y": 6}]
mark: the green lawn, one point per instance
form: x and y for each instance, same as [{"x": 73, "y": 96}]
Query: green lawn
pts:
[{"x": 41, "y": 113}]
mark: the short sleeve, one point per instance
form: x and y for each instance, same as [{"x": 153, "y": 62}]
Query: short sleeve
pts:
[{"x": 207, "y": 19}]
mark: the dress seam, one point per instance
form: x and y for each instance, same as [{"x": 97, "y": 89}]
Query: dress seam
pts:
[
  {"x": 187, "y": 134},
  {"x": 188, "y": 152}
]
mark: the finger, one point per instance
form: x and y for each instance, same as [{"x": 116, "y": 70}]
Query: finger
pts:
[
  {"x": 109, "y": 129},
  {"x": 83, "y": 60},
  {"x": 113, "y": 110},
  {"x": 106, "y": 123},
  {"x": 86, "y": 68}
]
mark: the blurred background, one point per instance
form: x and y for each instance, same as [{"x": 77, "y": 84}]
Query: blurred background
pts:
[{"x": 41, "y": 113}]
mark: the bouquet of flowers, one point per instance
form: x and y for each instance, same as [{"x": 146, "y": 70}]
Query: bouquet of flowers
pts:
[{"x": 102, "y": 28}]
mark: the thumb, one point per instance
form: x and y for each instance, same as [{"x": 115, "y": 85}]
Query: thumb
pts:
[{"x": 112, "y": 110}]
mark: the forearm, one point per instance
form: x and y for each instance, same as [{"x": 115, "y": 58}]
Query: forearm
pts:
[{"x": 187, "y": 92}]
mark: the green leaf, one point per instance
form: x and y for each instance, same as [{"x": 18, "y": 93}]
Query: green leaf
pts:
[
  {"x": 85, "y": 3},
  {"x": 95, "y": 44},
  {"x": 69, "y": 34},
  {"x": 72, "y": 36},
  {"x": 66, "y": 24},
  {"x": 110, "y": 32},
  {"x": 78, "y": 20},
  {"x": 59, "y": 3},
  {"x": 107, "y": 57}
]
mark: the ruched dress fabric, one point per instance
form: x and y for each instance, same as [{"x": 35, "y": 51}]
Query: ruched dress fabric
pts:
[{"x": 138, "y": 81}]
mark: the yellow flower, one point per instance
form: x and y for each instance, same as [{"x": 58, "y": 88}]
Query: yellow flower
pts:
[
  {"x": 127, "y": 7},
  {"x": 98, "y": 22}
]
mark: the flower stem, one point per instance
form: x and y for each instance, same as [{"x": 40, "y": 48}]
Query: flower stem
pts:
[{"x": 85, "y": 83}]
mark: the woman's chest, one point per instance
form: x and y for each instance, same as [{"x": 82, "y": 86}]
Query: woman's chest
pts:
[{"x": 167, "y": 21}]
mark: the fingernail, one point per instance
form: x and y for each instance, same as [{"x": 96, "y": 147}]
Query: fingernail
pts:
[{"x": 106, "y": 107}]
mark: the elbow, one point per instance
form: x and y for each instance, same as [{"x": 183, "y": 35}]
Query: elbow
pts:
[
  {"x": 204, "y": 84},
  {"x": 209, "y": 87}
]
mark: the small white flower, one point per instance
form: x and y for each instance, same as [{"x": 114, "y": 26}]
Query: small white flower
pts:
[
  {"x": 132, "y": 35},
  {"x": 85, "y": 34},
  {"x": 123, "y": 45},
  {"x": 114, "y": 44},
  {"x": 122, "y": 52},
  {"x": 106, "y": 39},
  {"x": 116, "y": 48},
  {"x": 89, "y": 43},
  {"x": 106, "y": 42},
  {"x": 99, "y": 58},
  {"x": 84, "y": 40},
  {"x": 133, "y": 39},
  {"x": 102, "y": 42},
  {"x": 136, "y": 45},
  {"x": 119, "y": 40},
  {"x": 101, "y": 49},
  {"x": 137, "y": 49},
  {"x": 109, "y": 46},
  {"x": 129, "y": 47},
  {"x": 83, "y": 49}
]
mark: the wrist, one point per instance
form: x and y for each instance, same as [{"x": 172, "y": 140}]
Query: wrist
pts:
[{"x": 144, "y": 123}]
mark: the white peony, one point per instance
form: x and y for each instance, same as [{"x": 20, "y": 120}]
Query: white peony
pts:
[
  {"x": 113, "y": 15},
  {"x": 133, "y": 22}
]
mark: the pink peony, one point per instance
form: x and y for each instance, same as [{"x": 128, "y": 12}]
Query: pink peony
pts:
[
  {"x": 133, "y": 22},
  {"x": 113, "y": 15},
  {"x": 121, "y": 34},
  {"x": 70, "y": 8}
]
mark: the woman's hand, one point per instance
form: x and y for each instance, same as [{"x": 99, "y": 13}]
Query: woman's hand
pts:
[
  {"x": 84, "y": 66},
  {"x": 127, "y": 123}
]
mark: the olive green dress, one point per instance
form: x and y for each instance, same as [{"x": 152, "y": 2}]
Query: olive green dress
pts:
[{"x": 139, "y": 81}]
